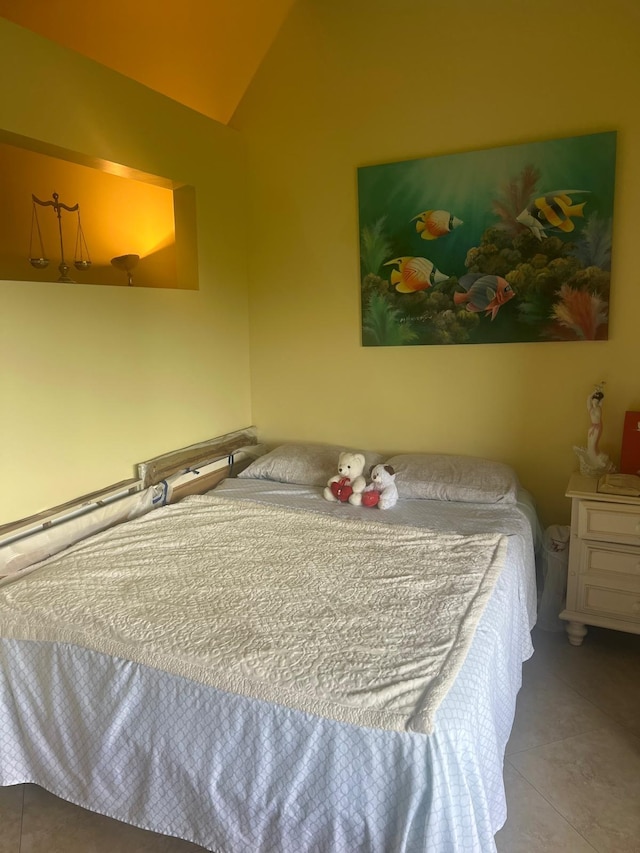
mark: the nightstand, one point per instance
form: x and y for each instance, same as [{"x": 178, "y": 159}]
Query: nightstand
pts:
[{"x": 603, "y": 584}]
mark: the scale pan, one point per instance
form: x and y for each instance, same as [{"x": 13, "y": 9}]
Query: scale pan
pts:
[
  {"x": 82, "y": 265},
  {"x": 39, "y": 263}
]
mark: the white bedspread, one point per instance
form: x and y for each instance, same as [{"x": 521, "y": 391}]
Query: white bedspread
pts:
[
  {"x": 373, "y": 637},
  {"x": 232, "y": 773}
]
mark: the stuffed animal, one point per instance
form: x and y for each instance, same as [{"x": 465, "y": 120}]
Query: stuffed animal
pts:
[
  {"x": 383, "y": 486},
  {"x": 348, "y": 484}
]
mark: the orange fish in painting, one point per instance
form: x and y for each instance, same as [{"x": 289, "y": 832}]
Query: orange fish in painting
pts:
[
  {"x": 484, "y": 293},
  {"x": 414, "y": 274},
  {"x": 435, "y": 223}
]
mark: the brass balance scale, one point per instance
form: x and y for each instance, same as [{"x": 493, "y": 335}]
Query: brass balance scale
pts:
[{"x": 82, "y": 260}]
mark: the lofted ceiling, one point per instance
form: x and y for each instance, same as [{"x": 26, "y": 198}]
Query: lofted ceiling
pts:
[{"x": 202, "y": 53}]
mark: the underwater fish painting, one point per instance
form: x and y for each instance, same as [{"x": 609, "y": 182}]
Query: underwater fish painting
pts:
[
  {"x": 509, "y": 259},
  {"x": 435, "y": 223},
  {"x": 483, "y": 293},
  {"x": 414, "y": 274},
  {"x": 553, "y": 210}
]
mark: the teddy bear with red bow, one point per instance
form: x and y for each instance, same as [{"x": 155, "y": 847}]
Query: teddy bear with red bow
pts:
[{"x": 348, "y": 484}]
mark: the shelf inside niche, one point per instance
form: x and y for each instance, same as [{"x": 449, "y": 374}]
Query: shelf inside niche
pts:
[{"x": 123, "y": 211}]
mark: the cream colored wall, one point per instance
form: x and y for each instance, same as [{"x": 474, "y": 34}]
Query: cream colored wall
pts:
[
  {"x": 95, "y": 379},
  {"x": 359, "y": 83}
]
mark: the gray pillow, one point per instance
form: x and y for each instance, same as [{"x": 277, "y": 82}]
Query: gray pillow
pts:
[
  {"x": 302, "y": 464},
  {"x": 445, "y": 477}
]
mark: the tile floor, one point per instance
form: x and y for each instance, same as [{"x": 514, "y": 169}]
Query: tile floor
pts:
[{"x": 572, "y": 768}]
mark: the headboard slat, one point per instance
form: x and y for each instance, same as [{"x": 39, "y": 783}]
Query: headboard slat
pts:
[
  {"x": 159, "y": 468},
  {"x": 50, "y": 516}
]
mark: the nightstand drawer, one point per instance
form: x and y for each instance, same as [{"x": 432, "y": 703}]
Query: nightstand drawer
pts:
[
  {"x": 608, "y": 522},
  {"x": 600, "y": 558},
  {"x": 604, "y": 600}
]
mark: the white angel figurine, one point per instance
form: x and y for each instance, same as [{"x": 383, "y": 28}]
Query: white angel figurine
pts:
[{"x": 592, "y": 462}]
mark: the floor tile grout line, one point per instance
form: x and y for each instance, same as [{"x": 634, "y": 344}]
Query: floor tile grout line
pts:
[
  {"x": 611, "y": 724},
  {"x": 612, "y": 720},
  {"x": 552, "y": 741},
  {"x": 553, "y": 806},
  {"x": 585, "y": 698},
  {"x": 548, "y": 654}
]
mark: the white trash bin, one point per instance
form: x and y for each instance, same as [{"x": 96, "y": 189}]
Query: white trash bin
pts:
[{"x": 555, "y": 563}]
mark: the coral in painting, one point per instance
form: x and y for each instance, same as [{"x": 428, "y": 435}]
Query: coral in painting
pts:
[
  {"x": 593, "y": 249},
  {"x": 579, "y": 315},
  {"x": 515, "y": 196}
]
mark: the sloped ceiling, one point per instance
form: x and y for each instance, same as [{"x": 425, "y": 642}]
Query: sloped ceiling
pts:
[{"x": 202, "y": 53}]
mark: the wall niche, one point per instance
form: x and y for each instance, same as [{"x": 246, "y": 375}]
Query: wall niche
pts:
[{"x": 122, "y": 212}]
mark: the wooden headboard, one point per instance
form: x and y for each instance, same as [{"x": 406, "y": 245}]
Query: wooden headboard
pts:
[{"x": 207, "y": 463}]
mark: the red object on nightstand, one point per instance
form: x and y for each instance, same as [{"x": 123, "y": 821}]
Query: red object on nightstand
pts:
[{"x": 630, "y": 456}]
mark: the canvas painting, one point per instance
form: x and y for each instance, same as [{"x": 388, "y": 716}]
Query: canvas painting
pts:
[{"x": 503, "y": 245}]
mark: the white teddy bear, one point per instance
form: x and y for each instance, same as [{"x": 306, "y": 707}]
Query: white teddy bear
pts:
[
  {"x": 348, "y": 484},
  {"x": 382, "y": 490}
]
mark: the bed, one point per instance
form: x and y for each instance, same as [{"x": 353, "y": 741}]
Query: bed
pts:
[{"x": 258, "y": 670}]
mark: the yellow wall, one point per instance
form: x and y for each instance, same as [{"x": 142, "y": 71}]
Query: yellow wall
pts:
[
  {"x": 95, "y": 379},
  {"x": 359, "y": 83}
]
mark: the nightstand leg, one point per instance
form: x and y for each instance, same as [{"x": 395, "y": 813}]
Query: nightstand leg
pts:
[{"x": 576, "y": 632}]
